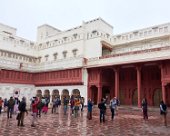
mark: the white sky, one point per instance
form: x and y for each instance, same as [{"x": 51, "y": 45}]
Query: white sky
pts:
[{"x": 123, "y": 15}]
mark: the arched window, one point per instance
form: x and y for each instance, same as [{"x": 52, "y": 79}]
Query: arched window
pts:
[{"x": 46, "y": 57}]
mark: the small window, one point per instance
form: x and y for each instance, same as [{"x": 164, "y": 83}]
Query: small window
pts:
[
  {"x": 64, "y": 54},
  {"x": 74, "y": 52},
  {"x": 55, "y": 56},
  {"x": 46, "y": 57}
]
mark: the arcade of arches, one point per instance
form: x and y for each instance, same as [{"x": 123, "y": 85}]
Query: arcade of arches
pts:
[
  {"x": 131, "y": 83},
  {"x": 55, "y": 93}
]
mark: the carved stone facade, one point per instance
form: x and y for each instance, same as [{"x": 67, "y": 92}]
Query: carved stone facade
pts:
[{"x": 88, "y": 61}]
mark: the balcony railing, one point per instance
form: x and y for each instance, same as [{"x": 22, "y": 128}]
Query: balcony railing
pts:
[{"x": 45, "y": 66}]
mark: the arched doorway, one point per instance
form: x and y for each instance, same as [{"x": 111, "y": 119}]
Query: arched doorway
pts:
[
  {"x": 39, "y": 93},
  {"x": 106, "y": 93},
  {"x": 47, "y": 94},
  {"x": 65, "y": 93},
  {"x": 135, "y": 97},
  {"x": 157, "y": 97},
  {"x": 55, "y": 94},
  {"x": 94, "y": 94},
  {"x": 76, "y": 93}
]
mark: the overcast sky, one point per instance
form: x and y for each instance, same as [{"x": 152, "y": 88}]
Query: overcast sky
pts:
[{"x": 123, "y": 15}]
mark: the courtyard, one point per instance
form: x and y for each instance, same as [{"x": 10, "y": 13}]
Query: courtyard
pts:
[{"x": 128, "y": 122}]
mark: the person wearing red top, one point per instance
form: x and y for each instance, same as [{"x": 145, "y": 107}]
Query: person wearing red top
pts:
[
  {"x": 1, "y": 101},
  {"x": 34, "y": 111}
]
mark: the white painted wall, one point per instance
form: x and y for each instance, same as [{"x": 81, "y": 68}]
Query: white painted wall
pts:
[{"x": 7, "y": 90}]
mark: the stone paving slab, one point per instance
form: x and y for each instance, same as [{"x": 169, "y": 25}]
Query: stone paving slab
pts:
[{"x": 126, "y": 123}]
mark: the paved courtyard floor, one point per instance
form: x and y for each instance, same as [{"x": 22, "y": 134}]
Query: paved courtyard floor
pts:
[{"x": 128, "y": 122}]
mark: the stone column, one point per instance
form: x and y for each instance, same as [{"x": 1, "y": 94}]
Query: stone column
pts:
[{"x": 139, "y": 85}]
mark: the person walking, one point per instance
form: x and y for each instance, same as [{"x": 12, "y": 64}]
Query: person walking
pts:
[
  {"x": 102, "y": 107},
  {"x": 10, "y": 109},
  {"x": 72, "y": 105},
  {"x": 163, "y": 112},
  {"x": 113, "y": 105},
  {"x": 22, "y": 109},
  {"x": 34, "y": 111},
  {"x": 145, "y": 109},
  {"x": 89, "y": 106},
  {"x": 76, "y": 106},
  {"x": 65, "y": 105}
]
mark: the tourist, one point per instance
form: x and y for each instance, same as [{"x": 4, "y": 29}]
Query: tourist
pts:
[
  {"x": 16, "y": 105},
  {"x": 5, "y": 104},
  {"x": 102, "y": 107},
  {"x": 1, "y": 102},
  {"x": 65, "y": 105},
  {"x": 163, "y": 112},
  {"x": 22, "y": 109},
  {"x": 34, "y": 111},
  {"x": 10, "y": 109},
  {"x": 39, "y": 107},
  {"x": 89, "y": 106},
  {"x": 72, "y": 105},
  {"x": 45, "y": 107},
  {"x": 113, "y": 105},
  {"x": 145, "y": 109},
  {"x": 82, "y": 103},
  {"x": 76, "y": 106}
]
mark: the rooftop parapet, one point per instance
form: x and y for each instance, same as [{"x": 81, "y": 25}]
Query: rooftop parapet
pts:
[{"x": 142, "y": 34}]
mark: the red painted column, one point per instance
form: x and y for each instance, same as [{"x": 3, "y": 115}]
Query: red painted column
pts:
[
  {"x": 99, "y": 94},
  {"x": 139, "y": 85},
  {"x": 99, "y": 86},
  {"x": 116, "y": 82},
  {"x": 164, "y": 93},
  {"x": 163, "y": 84}
]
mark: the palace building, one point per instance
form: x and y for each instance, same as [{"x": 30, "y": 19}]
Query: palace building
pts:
[{"x": 88, "y": 61}]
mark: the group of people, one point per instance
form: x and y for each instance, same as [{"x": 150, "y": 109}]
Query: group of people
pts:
[
  {"x": 76, "y": 104},
  {"x": 102, "y": 107},
  {"x": 39, "y": 105},
  {"x": 163, "y": 110}
]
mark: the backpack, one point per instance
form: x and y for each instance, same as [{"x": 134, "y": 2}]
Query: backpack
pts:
[
  {"x": 164, "y": 107},
  {"x": 11, "y": 103},
  {"x": 21, "y": 106}
]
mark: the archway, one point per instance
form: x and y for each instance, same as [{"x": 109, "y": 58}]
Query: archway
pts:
[
  {"x": 39, "y": 93},
  {"x": 65, "y": 93},
  {"x": 106, "y": 93},
  {"x": 94, "y": 94},
  {"x": 76, "y": 93},
  {"x": 47, "y": 94},
  {"x": 157, "y": 97},
  {"x": 135, "y": 97},
  {"x": 55, "y": 94}
]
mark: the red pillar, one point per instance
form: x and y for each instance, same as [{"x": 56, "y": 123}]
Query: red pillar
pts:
[
  {"x": 99, "y": 94},
  {"x": 139, "y": 85},
  {"x": 163, "y": 84},
  {"x": 116, "y": 83},
  {"x": 164, "y": 93}
]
